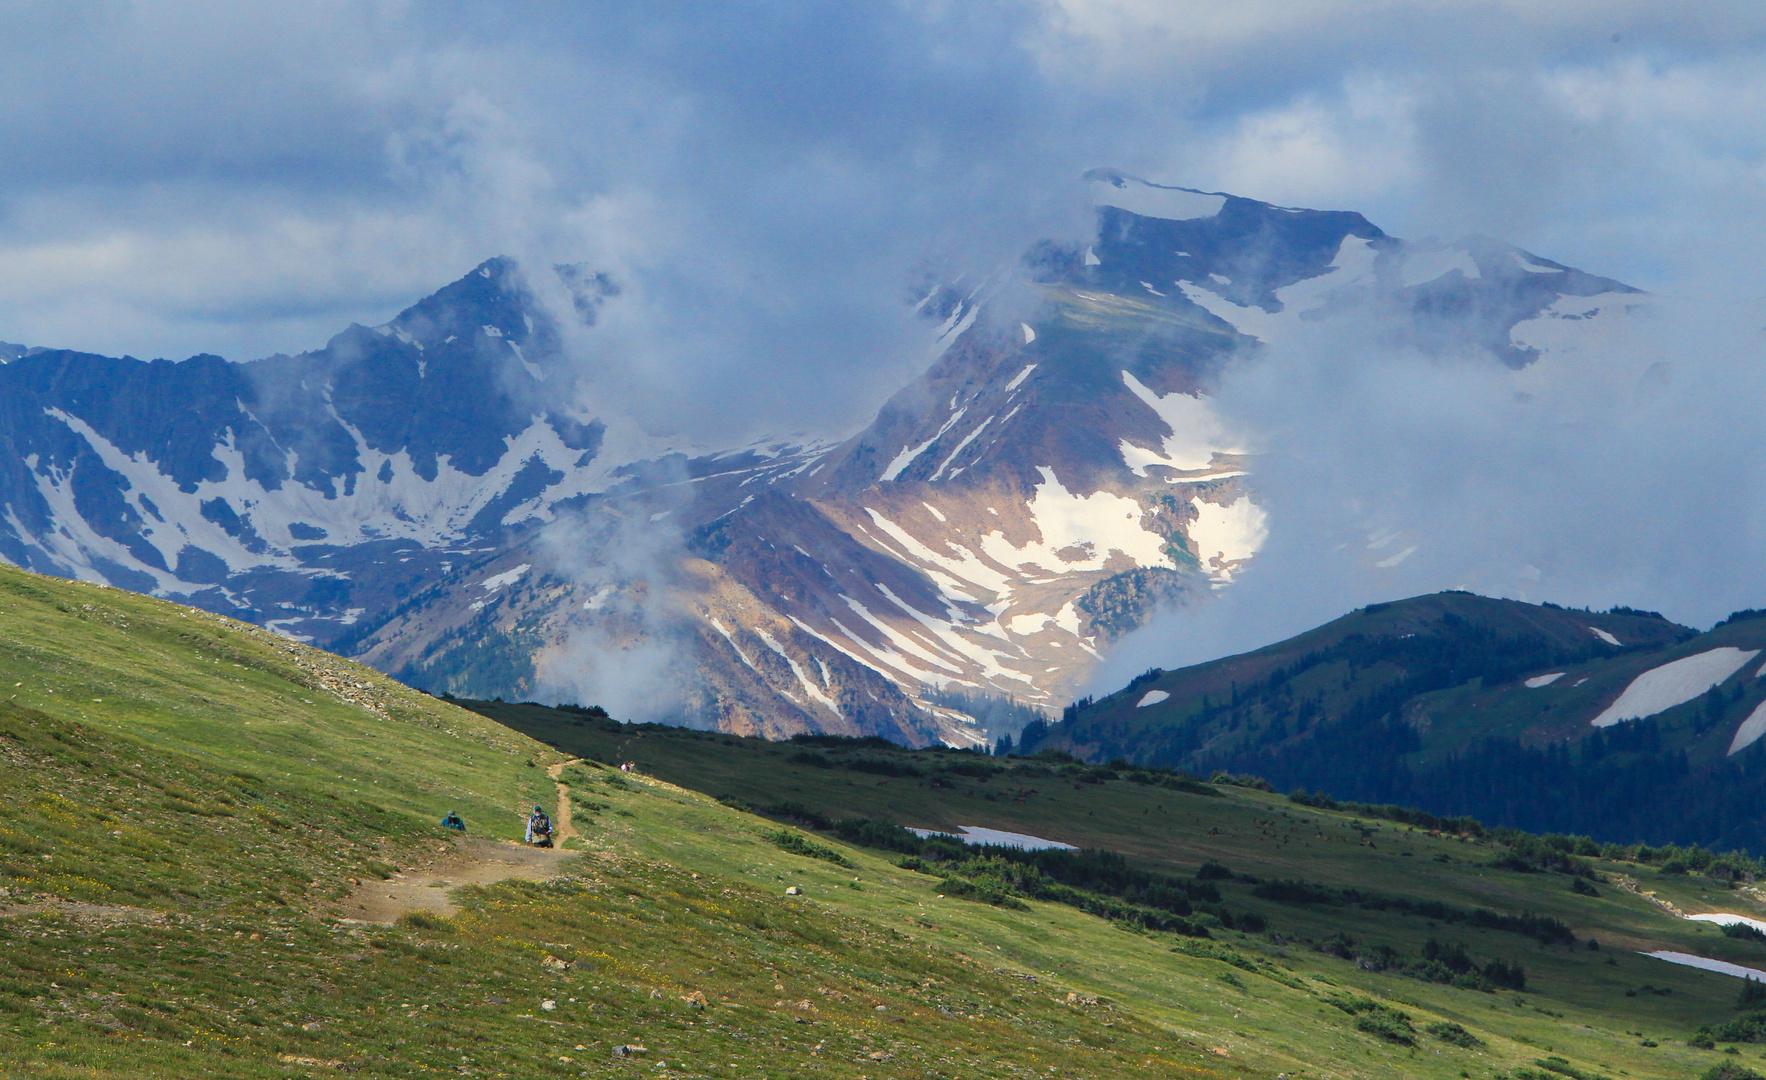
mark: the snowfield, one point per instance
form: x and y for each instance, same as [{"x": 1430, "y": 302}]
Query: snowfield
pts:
[
  {"x": 1151, "y": 200},
  {"x": 1721, "y": 967},
  {"x": 1724, "y": 918},
  {"x": 1674, "y": 684},
  {"x": 1543, "y": 680},
  {"x": 1151, "y": 697},
  {"x": 975, "y": 834},
  {"x": 1750, "y": 730},
  {"x": 1197, "y": 433}
]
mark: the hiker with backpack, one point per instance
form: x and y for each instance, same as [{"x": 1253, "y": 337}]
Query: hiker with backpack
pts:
[
  {"x": 454, "y": 821},
  {"x": 539, "y": 828}
]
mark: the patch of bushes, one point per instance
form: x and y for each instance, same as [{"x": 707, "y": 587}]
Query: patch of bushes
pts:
[
  {"x": 1753, "y": 994},
  {"x": 1542, "y": 928},
  {"x": 1730, "y": 1070},
  {"x": 1451, "y": 1033},
  {"x": 423, "y": 920},
  {"x": 1381, "y": 1021},
  {"x": 1403, "y": 815},
  {"x": 1743, "y": 1029},
  {"x": 797, "y": 844},
  {"x": 1559, "y": 1066}
]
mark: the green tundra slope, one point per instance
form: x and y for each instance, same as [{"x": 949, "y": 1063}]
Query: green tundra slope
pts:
[
  {"x": 189, "y": 808},
  {"x": 1463, "y": 704},
  {"x": 1302, "y": 904}
]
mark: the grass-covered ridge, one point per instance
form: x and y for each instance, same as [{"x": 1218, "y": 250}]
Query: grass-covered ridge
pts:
[
  {"x": 1461, "y": 704},
  {"x": 1438, "y": 921},
  {"x": 178, "y": 856}
]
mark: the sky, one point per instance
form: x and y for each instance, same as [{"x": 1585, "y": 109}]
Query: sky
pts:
[{"x": 766, "y": 181}]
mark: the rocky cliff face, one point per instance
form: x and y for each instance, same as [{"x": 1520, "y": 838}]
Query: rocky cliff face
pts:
[{"x": 414, "y": 495}]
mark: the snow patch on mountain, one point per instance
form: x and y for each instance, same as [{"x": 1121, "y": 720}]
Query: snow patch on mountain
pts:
[
  {"x": 1352, "y": 267},
  {"x": 967, "y": 576},
  {"x": 1079, "y": 532},
  {"x": 803, "y": 679},
  {"x": 1225, "y": 537},
  {"x": 507, "y": 577},
  {"x": 1197, "y": 432},
  {"x": 961, "y": 446},
  {"x": 1750, "y": 730},
  {"x": 892, "y": 471},
  {"x": 1154, "y": 200},
  {"x": 1543, "y": 680},
  {"x": 1424, "y": 264},
  {"x": 1674, "y": 683}
]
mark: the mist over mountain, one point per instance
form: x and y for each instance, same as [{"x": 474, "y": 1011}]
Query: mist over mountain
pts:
[
  {"x": 448, "y": 497},
  {"x": 849, "y": 300}
]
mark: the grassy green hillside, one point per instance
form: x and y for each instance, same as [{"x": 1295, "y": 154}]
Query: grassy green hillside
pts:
[
  {"x": 1375, "y": 894},
  {"x": 242, "y": 699},
  {"x": 189, "y": 807},
  {"x": 1427, "y": 702}
]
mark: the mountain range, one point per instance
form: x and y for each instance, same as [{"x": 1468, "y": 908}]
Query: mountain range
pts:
[
  {"x": 443, "y": 498},
  {"x": 1611, "y": 724}
]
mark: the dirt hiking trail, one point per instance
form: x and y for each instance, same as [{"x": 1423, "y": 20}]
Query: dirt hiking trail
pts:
[
  {"x": 561, "y": 828},
  {"x": 471, "y": 860}
]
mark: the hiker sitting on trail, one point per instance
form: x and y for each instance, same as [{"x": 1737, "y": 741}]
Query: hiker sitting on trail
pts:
[
  {"x": 454, "y": 821},
  {"x": 538, "y": 825}
]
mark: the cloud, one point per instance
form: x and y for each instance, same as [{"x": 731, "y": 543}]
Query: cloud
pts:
[
  {"x": 246, "y": 178},
  {"x": 763, "y": 179},
  {"x": 1622, "y": 475}
]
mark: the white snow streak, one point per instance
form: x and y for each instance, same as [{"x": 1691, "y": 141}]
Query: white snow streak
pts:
[
  {"x": 1721, "y": 967},
  {"x": 975, "y": 834},
  {"x": 1197, "y": 434},
  {"x": 507, "y": 577},
  {"x": 1149, "y": 200},
  {"x": 1674, "y": 684},
  {"x": 906, "y": 457},
  {"x": 1750, "y": 730}
]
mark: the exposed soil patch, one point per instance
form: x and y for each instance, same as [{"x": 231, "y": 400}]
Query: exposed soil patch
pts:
[
  {"x": 472, "y": 861},
  {"x": 80, "y": 912}
]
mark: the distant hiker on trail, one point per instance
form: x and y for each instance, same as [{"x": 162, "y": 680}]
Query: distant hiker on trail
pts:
[
  {"x": 539, "y": 828},
  {"x": 453, "y": 821}
]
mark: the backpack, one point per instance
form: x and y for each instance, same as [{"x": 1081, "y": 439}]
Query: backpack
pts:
[{"x": 542, "y": 823}]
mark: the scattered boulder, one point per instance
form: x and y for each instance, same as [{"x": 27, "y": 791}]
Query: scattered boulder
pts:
[
  {"x": 696, "y": 999},
  {"x": 794, "y": 891},
  {"x": 629, "y": 1050},
  {"x": 1080, "y": 1000},
  {"x": 556, "y": 964},
  {"x": 549, "y": 1005}
]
